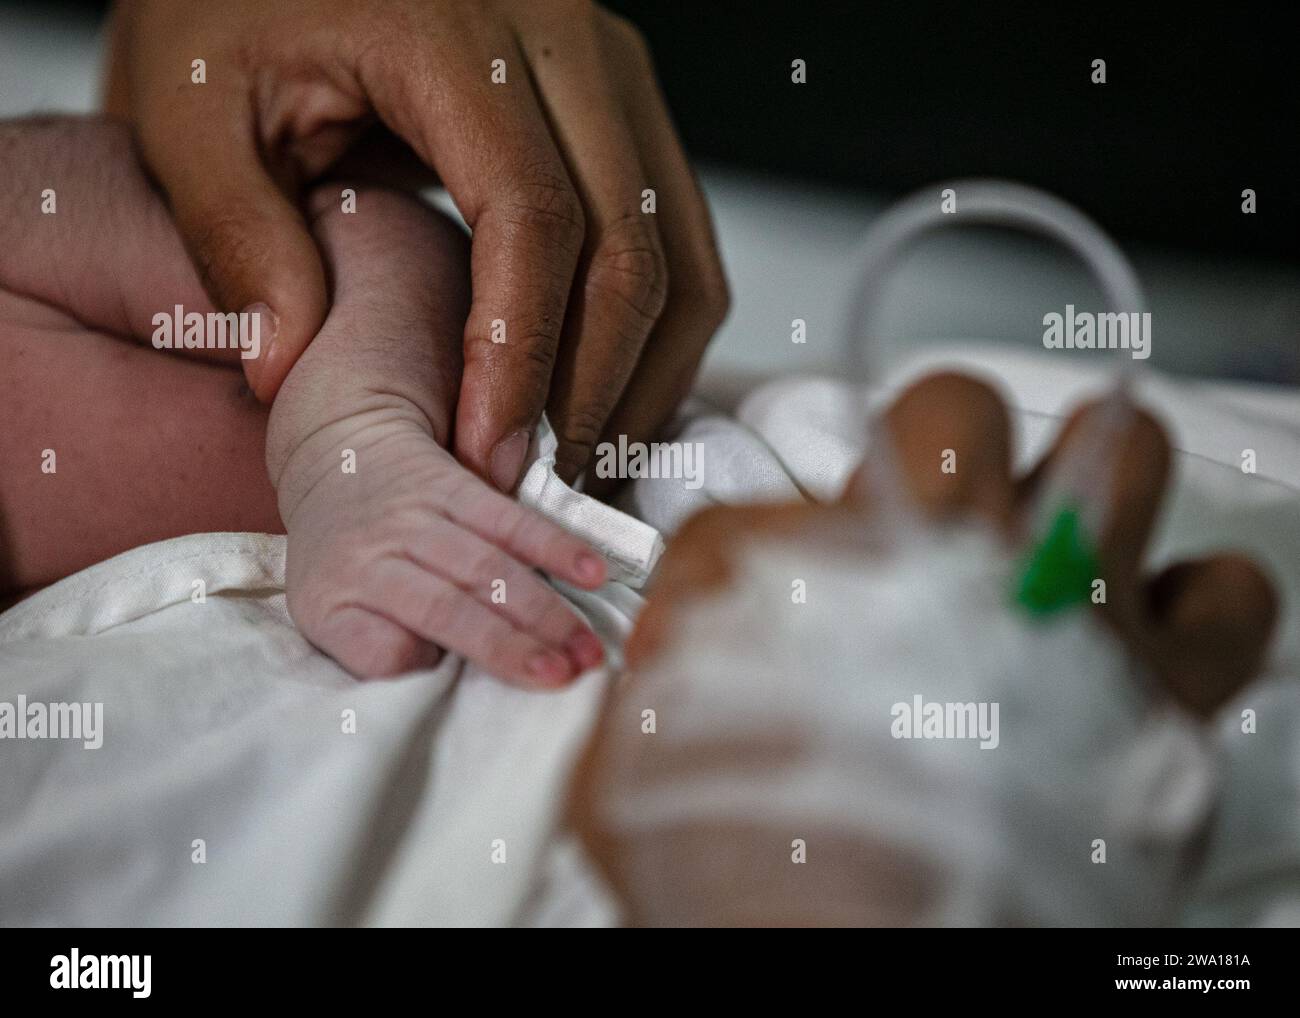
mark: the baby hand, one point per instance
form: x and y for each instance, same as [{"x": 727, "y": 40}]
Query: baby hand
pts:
[
  {"x": 394, "y": 548},
  {"x": 412, "y": 552}
]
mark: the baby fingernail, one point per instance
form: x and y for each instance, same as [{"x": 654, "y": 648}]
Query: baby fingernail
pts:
[
  {"x": 585, "y": 649},
  {"x": 508, "y": 460},
  {"x": 550, "y": 667},
  {"x": 590, "y": 567}
]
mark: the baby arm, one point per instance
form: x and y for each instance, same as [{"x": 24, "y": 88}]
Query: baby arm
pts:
[{"x": 394, "y": 547}]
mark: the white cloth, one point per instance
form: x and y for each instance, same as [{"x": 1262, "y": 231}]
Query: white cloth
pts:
[
  {"x": 225, "y": 734},
  {"x": 631, "y": 548}
]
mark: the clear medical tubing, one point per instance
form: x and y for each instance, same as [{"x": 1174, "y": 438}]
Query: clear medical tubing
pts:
[
  {"x": 1082, "y": 478},
  {"x": 990, "y": 203}
]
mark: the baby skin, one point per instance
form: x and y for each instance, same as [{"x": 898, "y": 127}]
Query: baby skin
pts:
[{"x": 394, "y": 549}]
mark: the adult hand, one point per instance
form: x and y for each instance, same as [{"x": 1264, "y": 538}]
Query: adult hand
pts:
[{"x": 544, "y": 122}]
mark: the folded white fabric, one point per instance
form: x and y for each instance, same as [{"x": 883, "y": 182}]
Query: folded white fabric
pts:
[{"x": 631, "y": 548}]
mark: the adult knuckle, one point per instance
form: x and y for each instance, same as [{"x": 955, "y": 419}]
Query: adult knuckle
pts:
[
  {"x": 529, "y": 354},
  {"x": 581, "y": 427},
  {"x": 538, "y": 352},
  {"x": 546, "y": 202},
  {"x": 629, "y": 265}
]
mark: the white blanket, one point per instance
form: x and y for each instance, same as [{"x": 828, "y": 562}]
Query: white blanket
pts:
[
  {"x": 243, "y": 778},
  {"x": 230, "y": 788}
]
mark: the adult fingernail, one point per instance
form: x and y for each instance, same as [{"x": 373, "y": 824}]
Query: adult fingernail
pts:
[
  {"x": 585, "y": 649},
  {"x": 550, "y": 667},
  {"x": 508, "y": 460},
  {"x": 258, "y": 327}
]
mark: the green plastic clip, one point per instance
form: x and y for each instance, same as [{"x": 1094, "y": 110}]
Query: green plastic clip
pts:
[{"x": 1059, "y": 572}]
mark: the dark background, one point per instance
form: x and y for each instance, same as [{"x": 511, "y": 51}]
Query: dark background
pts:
[{"x": 1200, "y": 103}]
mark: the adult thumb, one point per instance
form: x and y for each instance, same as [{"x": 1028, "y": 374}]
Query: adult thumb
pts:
[{"x": 248, "y": 240}]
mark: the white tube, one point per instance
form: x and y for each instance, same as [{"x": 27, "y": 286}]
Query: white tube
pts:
[{"x": 986, "y": 202}]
